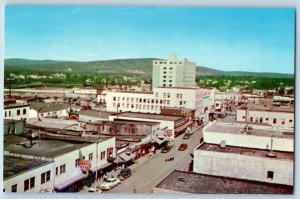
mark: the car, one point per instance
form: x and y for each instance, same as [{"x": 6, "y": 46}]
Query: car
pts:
[
  {"x": 109, "y": 183},
  {"x": 166, "y": 149},
  {"x": 182, "y": 147},
  {"x": 124, "y": 173},
  {"x": 94, "y": 190},
  {"x": 187, "y": 136}
]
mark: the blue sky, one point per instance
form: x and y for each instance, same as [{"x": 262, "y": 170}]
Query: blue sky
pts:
[{"x": 243, "y": 39}]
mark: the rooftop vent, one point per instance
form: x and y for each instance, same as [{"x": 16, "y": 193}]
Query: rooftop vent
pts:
[
  {"x": 271, "y": 153},
  {"x": 223, "y": 144},
  {"x": 181, "y": 179}
]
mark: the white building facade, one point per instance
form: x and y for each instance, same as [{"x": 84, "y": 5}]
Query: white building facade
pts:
[
  {"x": 152, "y": 102},
  {"x": 16, "y": 111},
  {"x": 273, "y": 117},
  {"x": 173, "y": 73}
]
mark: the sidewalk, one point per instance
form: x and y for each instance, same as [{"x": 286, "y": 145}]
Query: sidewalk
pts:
[{"x": 133, "y": 167}]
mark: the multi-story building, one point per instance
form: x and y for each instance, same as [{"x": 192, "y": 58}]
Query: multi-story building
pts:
[
  {"x": 258, "y": 153},
  {"x": 173, "y": 72},
  {"x": 277, "y": 116},
  {"x": 153, "y": 102},
  {"x": 66, "y": 152},
  {"x": 16, "y": 111},
  {"x": 27, "y": 175}
]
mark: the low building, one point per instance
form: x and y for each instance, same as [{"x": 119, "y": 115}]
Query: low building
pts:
[
  {"x": 66, "y": 152},
  {"x": 50, "y": 110},
  {"x": 27, "y": 175},
  {"x": 172, "y": 125},
  {"x": 244, "y": 163},
  {"x": 182, "y": 182},
  {"x": 93, "y": 116},
  {"x": 251, "y": 136},
  {"x": 278, "y": 116},
  {"x": 16, "y": 111},
  {"x": 15, "y": 127}
]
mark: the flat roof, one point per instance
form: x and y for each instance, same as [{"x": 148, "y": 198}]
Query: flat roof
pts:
[
  {"x": 137, "y": 92},
  {"x": 98, "y": 114},
  {"x": 270, "y": 108},
  {"x": 15, "y": 105},
  {"x": 195, "y": 183},
  {"x": 245, "y": 151},
  {"x": 14, "y": 166},
  {"x": 42, "y": 148},
  {"x": 120, "y": 121},
  {"x": 149, "y": 116},
  {"x": 48, "y": 107},
  {"x": 238, "y": 128}
]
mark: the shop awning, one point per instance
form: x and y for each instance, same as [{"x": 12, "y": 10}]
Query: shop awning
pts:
[
  {"x": 160, "y": 139},
  {"x": 68, "y": 180},
  {"x": 123, "y": 157}
]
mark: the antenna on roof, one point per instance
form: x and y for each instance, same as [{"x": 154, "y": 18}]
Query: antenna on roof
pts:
[{"x": 271, "y": 153}]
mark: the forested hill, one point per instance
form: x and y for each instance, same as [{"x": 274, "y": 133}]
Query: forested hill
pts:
[{"x": 118, "y": 66}]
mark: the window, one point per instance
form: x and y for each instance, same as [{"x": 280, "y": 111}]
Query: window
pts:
[
  {"x": 274, "y": 121},
  {"x": 18, "y": 112},
  {"x": 244, "y": 117},
  {"x": 45, "y": 177},
  {"x": 251, "y": 119},
  {"x": 91, "y": 156},
  {"x": 267, "y": 119},
  {"x": 5, "y": 113},
  {"x": 164, "y": 85},
  {"x": 26, "y": 185},
  {"x": 291, "y": 120},
  {"x": 170, "y": 84},
  {"x": 14, "y": 188},
  {"x": 109, "y": 152},
  {"x": 48, "y": 113},
  {"x": 56, "y": 171},
  {"x": 270, "y": 174},
  {"x": 77, "y": 162},
  {"x": 102, "y": 155},
  {"x": 9, "y": 113},
  {"x": 114, "y": 98},
  {"x": 283, "y": 122},
  {"x": 48, "y": 174},
  {"x": 63, "y": 168},
  {"x": 32, "y": 182},
  {"x": 24, "y": 111},
  {"x": 261, "y": 120},
  {"x": 29, "y": 183}
]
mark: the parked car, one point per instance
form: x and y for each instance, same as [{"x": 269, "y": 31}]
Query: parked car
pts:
[
  {"x": 187, "y": 136},
  {"x": 110, "y": 183},
  {"x": 182, "y": 147},
  {"x": 94, "y": 190},
  {"x": 166, "y": 149},
  {"x": 124, "y": 173}
]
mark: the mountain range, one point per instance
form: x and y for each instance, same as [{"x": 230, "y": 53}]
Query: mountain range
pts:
[{"x": 117, "y": 66}]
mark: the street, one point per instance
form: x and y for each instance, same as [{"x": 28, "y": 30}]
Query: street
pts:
[{"x": 148, "y": 174}]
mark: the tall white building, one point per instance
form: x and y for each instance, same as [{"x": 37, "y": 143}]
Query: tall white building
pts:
[
  {"x": 153, "y": 102},
  {"x": 173, "y": 72}
]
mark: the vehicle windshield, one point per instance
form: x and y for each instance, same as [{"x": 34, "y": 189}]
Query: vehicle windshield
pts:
[{"x": 110, "y": 180}]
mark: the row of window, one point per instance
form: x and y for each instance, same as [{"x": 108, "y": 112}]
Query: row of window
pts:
[
  {"x": 166, "y": 62},
  {"x": 60, "y": 170},
  {"x": 49, "y": 113},
  {"x": 8, "y": 113},
  {"x": 109, "y": 152},
  {"x": 30, "y": 182},
  {"x": 260, "y": 120}
]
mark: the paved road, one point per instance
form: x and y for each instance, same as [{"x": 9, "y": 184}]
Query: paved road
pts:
[{"x": 148, "y": 174}]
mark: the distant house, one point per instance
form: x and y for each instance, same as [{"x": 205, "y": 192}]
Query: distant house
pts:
[{"x": 48, "y": 110}]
